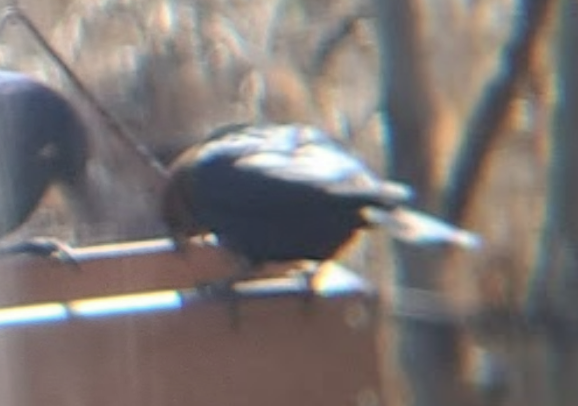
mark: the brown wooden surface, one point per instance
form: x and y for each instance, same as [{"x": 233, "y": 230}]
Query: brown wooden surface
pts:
[
  {"x": 283, "y": 353},
  {"x": 108, "y": 270}
]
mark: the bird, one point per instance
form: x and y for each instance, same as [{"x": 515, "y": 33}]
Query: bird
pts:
[
  {"x": 43, "y": 142},
  {"x": 276, "y": 193}
]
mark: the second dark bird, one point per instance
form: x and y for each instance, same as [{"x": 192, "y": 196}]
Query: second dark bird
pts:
[
  {"x": 43, "y": 142},
  {"x": 288, "y": 192}
]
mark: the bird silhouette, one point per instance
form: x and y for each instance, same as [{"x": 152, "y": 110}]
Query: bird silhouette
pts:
[
  {"x": 43, "y": 142},
  {"x": 288, "y": 193}
]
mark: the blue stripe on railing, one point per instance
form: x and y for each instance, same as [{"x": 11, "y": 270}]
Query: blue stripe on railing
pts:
[{"x": 334, "y": 281}]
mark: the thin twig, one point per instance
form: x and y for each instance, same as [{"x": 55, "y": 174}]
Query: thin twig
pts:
[{"x": 14, "y": 13}]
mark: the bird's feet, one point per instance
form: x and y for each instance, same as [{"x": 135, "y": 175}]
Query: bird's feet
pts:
[
  {"x": 307, "y": 276},
  {"x": 224, "y": 290},
  {"x": 45, "y": 247},
  {"x": 181, "y": 243},
  {"x": 229, "y": 290}
]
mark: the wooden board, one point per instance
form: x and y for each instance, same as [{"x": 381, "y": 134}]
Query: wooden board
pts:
[{"x": 182, "y": 349}]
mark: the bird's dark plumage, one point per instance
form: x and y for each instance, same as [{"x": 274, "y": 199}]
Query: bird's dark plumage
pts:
[
  {"x": 279, "y": 193},
  {"x": 42, "y": 141}
]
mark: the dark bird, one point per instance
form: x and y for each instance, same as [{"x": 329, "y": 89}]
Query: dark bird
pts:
[
  {"x": 43, "y": 142},
  {"x": 288, "y": 192}
]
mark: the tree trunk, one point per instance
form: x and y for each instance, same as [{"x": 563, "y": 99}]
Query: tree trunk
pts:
[
  {"x": 552, "y": 299},
  {"x": 429, "y": 348},
  {"x": 427, "y": 351}
]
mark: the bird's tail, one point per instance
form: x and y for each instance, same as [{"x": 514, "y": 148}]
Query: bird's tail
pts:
[
  {"x": 396, "y": 192},
  {"x": 419, "y": 228}
]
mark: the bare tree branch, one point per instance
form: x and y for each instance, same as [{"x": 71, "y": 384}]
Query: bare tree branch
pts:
[
  {"x": 332, "y": 39},
  {"x": 428, "y": 351},
  {"x": 486, "y": 121},
  {"x": 406, "y": 95},
  {"x": 552, "y": 297}
]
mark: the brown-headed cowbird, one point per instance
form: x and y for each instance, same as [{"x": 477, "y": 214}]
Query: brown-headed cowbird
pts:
[{"x": 288, "y": 192}]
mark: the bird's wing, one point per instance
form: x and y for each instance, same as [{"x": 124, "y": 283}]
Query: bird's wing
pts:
[{"x": 307, "y": 156}]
